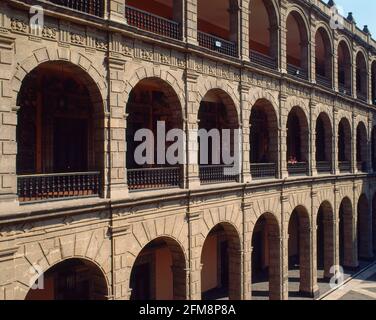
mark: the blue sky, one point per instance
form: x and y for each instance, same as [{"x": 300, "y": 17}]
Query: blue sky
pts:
[{"x": 364, "y": 12}]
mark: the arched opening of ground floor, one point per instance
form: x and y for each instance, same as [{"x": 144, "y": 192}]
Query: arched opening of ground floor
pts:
[
  {"x": 346, "y": 234},
  {"x": 266, "y": 262},
  {"x": 159, "y": 272},
  {"x": 325, "y": 242},
  {"x": 299, "y": 253},
  {"x": 72, "y": 279},
  {"x": 221, "y": 264}
]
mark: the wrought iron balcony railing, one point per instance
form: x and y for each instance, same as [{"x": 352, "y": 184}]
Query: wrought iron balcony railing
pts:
[
  {"x": 346, "y": 90},
  {"x": 297, "y": 169},
  {"x": 149, "y": 22},
  {"x": 154, "y": 178},
  {"x": 263, "y": 60},
  {"x": 93, "y": 7},
  {"x": 218, "y": 173},
  {"x": 43, "y": 187},
  {"x": 323, "y": 81},
  {"x": 263, "y": 170},
  {"x": 324, "y": 166},
  {"x": 217, "y": 44},
  {"x": 345, "y": 166},
  {"x": 297, "y": 72}
]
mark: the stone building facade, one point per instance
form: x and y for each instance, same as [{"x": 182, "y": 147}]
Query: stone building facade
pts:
[{"x": 310, "y": 195}]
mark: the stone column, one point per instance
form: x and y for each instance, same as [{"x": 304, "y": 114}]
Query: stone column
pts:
[
  {"x": 247, "y": 251},
  {"x": 117, "y": 178},
  {"x": 8, "y": 290},
  {"x": 312, "y": 50},
  {"x": 369, "y": 79},
  {"x": 244, "y": 31},
  {"x": 192, "y": 179},
  {"x": 335, "y": 63},
  {"x": 246, "y": 143},
  {"x": 117, "y": 11},
  {"x": 353, "y": 144},
  {"x": 276, "y": 276},
  {"x": 8, "y": 124},
  {"x": 284, "y": 257},
  {"x": 283, "y": 172},
  {"x": 312, "y": 140},
  {"x": 337, "y": 203},
  {"x": 191, "y": 22},
  {"x": 283, "y": 37},
  {"x": 335, "y": 162},
  {"x": 330, "y": 245},
  {"x": 195, "y": 248},
  {"x": 354, "y": 86},
  {"x": 369, "y": 145}
]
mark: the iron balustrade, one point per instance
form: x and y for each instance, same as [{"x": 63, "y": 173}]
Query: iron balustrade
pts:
[
  {"x": 361, "y": 166},
  {"x": 263, "y": 170},
  {"x": 346, "y": 90},
  {"x": 43, "y": 187},
  {"x": 154, "y": 178},
  {"x": 150, "y": 22},
  {"x": 217, "y": 44},
  {"x": 297, "y": 72},
  {"x": 94, "y": 7},
  {"x": 324, "y": 167},
  {"x": 345, "y": 166},
  {"x": 361, "y": 96},
  {"x": 323, "y": 81},
  {"x": 210, "y": 174},
  {"x": 263, "y": 60},
  {"x": 297, "y": 169}
]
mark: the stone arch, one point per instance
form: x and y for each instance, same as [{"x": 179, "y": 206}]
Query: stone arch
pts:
[
  {"x": 155, "y": 254},
  {"x": 99, "y": 288},
  {"x": 361, "y": 145},
  {"x": 44, "y": 55},
  {"x": 323, "y": 25},
  {"x": 172, "y": 83},
  {"x": 294, "y": 101},
  {"x": 299, "y": 246},
  {"x": 266, "y": 254},
  {"x": 344, "y": 65},
  {"x": 256, "y": 94},
  {"x": 344, "y": 140},
  {"x": 295, "y": 8},
  {"x": 323, "y": 138},
  {"x": 363, "y": 52},
  {"x": 325, "y": 224},
  {"x": 347, "y": 247},
  {"x": 226, "y": 93},
  {"x": 324, "y": 56},
  {"x": 228, "y": 266}
]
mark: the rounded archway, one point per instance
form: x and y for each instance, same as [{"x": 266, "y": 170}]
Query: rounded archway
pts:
[
  {"x": 60, "y": 133},
  {"x": 299, "y": 255},
  {"x": 159, "y": 272},
  {"x": 297, "y": 45},
  {"x": 361, "y": 147},
  {"x": 221, "y": 264},
  {"x": 361, "y": 77},
  {"x": 71, "y": 279},
  {"x": 217, "y": 138},
  {"x": 325, "y": 241},
  {"x": 324, "y": 58},
  {"x": 373, "y": 148},
  {"x": 266, "y": 258},
  {"x": 344, "y": 68},
  {"x": 344, "y": 145},
  {"x": 263, "y": 33},
  {"x": 363, "y": 228},
  {"x": 323, "y": 143},
  {"x": 154, "y": 109},
  {"x": 346, "y": 234},
  {"x": 263, "y": 140},
  {"x": 297, "y": 142}
]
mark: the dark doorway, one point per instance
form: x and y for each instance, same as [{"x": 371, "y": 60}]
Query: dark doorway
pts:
[
  {"x": 141, "y": 282},
  {"x": 224, "y": 264}
]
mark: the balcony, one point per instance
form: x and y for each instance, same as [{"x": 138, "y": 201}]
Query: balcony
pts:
[
  {"x": 93, "y": 7},
  {"x": 346, "y": 90},
  {"x": 345, "y": 166},
  {"x": 297, "y": 72},
  {"x": 152, "y": 23},
  {"x": 261, "y": 171},
  {"x": 154, "y": 178},
  {"x": 210, "y": 174},
  {"x": 361, "y": 166},
  {"x": 323, "y": 81},
  {"x": 217, "y": 44},
  {"x": 324, "y": 167},
  {"x": 263, "y": 60},
  {"x": 361, "y": 96},
  {"x": 297, "y": 169},
  {"x": 46, "y": 187}
]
